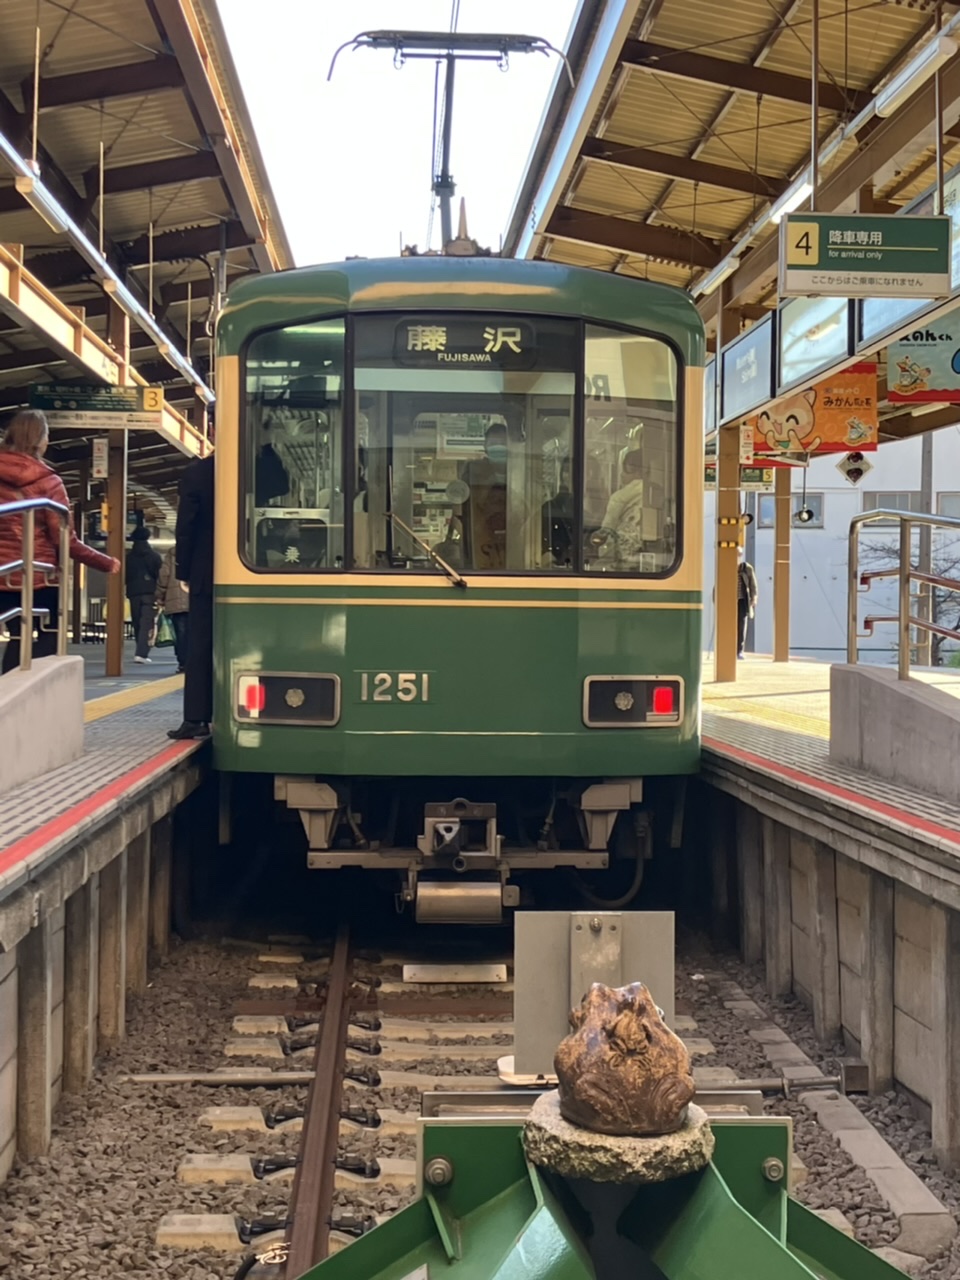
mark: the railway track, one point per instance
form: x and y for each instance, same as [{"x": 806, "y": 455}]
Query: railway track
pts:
[{"x": 296, "y": 1104}]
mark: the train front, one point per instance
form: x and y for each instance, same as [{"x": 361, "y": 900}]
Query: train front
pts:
[{"x": 458, "y": 566}]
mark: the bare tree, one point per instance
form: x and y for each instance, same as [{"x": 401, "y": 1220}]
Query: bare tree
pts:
[{"x": 945, "y": 563}]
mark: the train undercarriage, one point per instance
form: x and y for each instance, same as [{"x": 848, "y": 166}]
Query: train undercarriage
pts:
[{"x": 455, "y": 858}]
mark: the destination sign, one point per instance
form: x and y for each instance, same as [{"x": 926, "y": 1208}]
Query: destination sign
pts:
[{"x": 467, "y": 341}]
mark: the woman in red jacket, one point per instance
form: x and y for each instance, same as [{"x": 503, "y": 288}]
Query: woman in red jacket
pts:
[{"x": 24, "y": 474}]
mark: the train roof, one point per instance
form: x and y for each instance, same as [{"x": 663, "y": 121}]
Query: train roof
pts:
[{"x": 418, "y": 284}]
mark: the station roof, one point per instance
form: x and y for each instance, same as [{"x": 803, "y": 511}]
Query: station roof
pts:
[
  {"x": 152, "y": 83},
  {"x": 690, "y": 118}
]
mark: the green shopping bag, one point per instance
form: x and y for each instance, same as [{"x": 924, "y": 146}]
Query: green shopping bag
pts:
[{"x": 165, "y": 634}]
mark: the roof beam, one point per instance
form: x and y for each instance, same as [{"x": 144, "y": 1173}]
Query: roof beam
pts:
[
  {"x": 100, "y": 85},
  {"x": 667, "y": 60},
  {"x": 153, "y": 173},
  {"x": 185, "y": 38},
  {"x": 647, "y": 160},
  {"x": 647, "y": 239},
  {"x": 66, "y": 266}
]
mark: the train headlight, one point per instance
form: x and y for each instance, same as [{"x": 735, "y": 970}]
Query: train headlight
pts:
[{"x": 632, "y": 702}]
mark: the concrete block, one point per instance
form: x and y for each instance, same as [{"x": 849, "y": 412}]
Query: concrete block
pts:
[
  {"x": 851, "y": 883},
  {"x": 225, "y": 1170},
  {"x": 868, "y": 1149},
  {"x": 706, "y": 1076},
  {"x": 397, "y": 1051},
  {"x": 786, "y": 1055},
  {"x": 199, "y": 1231},
  {"x": 7, "y": 1156},
  {"x": 911, "y": 980},
  {"x": 56, "y": 1054},
  {"x": 8, "y": 962},
  {"x": 392, "y": 1124},
  {"x": 866, "y": 701},
  {"x": 911, "y": 916},
  {"x": 56, "y": 957},
  {"x": 769, "y": 1035},
  {"x": 835, "y": 1112},
  {"x": 851, "y": 1001},
  {"x": 926, "y": 1226},
  {"x": 798, "y": 1171},
  {"x": 50, "y": 693},
  {"x": 394, "y": 1172},
  {"x": 8, "y": 1101},
  {"x": 282, "y": 981},
  {"x": 836, "y": 1220},
  {"x": 234, "y": 1119},
  {"x": 253, "y": 1047},
  {"x": 908, "y": 1263},
  {"x": 408, "y": 1029},
  {"x": 802, "y": 965},
  {"x": 8, "y": 1015},
  {"x": 849, "y": 943},
  {"x": 253, "y": 1024},
  {"x": 280, "y": 957},
  {"x": 744, "y": 1008},
  {"x": 913, "y": 1055}
]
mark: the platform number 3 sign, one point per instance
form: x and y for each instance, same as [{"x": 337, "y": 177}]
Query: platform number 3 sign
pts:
[
  {"x": 803, "y": 244},
  {"x": 153, "y": 399}
]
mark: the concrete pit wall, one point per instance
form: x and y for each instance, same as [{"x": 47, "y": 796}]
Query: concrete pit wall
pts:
[
  {"x": 874, "y": 959},
  {"x": 64, "y": 985}
]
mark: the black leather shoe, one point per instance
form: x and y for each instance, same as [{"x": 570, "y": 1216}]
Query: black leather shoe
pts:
[{"x": 189, "y": 729}]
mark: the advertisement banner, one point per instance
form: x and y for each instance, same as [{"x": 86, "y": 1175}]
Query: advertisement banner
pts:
[
  {"x": 924, "y": 366},
  {"x": 835, "y": 415}
]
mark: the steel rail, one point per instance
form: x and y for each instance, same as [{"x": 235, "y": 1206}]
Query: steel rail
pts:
[
  {"x": 313, "y": 1186},
  {"x": 27, "y": 508}
]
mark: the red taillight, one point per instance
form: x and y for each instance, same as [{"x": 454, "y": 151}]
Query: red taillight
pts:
[
  {"x": 663, "y": 700},
  {"x": 254, "y": 696}
]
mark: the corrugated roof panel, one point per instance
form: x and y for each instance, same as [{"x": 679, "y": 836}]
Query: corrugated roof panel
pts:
[
  {"x": 92, "y": 34},
  {"x": 655, "y": 110},
  {"x": 784, "y": 136},
  {"x": 711, "y": 211},
  {"x": 152, "y": 127},
  {"x": 719, "y": 30},
  {"x": 580, "y": 255},
  {"x": 129, "y": 215},
  {"x": 605, "y": 188}
]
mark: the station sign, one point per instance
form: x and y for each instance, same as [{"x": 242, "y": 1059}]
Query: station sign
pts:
[
  {"x": 112, "y": 407},
  {"x": 101, "y": 458},
  {"x": 864, "y": 255},
  {"x": 923, "y": 367},
  {"x": 747, "y": 371},
  {"x": 752, "y": 479}
]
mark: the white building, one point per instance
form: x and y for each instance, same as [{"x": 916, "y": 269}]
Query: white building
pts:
[{"x": 818, "y": 550}]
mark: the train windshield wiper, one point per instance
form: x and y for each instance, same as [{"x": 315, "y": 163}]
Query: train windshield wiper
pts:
[{"x": 457, "y": 579}]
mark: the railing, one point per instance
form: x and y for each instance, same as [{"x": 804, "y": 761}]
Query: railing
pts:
[
  {"x": 26, "y": 566},
  {"x": 905, "y": 575}
]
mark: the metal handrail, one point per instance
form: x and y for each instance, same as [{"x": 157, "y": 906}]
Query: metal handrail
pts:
[
  {"x": 905, "y": 575},
  {"x": 28, "y": 508}
]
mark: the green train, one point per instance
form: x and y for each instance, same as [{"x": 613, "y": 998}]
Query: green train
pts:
[{"x": 458, "y": 566}]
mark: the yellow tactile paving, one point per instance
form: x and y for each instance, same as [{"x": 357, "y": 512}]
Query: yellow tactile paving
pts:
[{"x": 135, "y": 696}]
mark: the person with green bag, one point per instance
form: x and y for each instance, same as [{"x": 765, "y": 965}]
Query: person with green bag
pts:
[{"x": 173, "y": 603}]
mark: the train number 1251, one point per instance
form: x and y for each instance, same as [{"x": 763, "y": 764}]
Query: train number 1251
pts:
[{"x": 394, "y": 686}]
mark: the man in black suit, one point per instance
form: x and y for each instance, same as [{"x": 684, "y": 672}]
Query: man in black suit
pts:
[{"x": 194, "y": 565}]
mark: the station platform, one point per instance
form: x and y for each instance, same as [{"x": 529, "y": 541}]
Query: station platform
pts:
[
  {"x": 127, "y": 760},
  {"x": 774, "y": 724}
]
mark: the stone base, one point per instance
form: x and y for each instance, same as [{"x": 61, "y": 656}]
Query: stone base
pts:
[{"x": 554, "y": 1143}]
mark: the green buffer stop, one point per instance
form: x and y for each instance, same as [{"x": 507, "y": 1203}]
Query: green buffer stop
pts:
[{"x": 500, "y": 1218}]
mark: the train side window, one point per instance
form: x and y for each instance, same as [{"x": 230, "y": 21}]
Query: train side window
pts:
[
  {"x": 293, "y": 448},
  {"x": 630, "y": 470}
]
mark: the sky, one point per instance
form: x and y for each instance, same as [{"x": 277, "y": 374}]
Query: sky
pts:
[{"x": 349, "y": 160}]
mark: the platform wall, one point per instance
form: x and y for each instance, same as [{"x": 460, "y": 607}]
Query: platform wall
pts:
[{"x": 873, "y": 957}]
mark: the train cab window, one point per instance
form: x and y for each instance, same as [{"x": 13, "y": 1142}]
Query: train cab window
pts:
[
  {"x": 294, "y": 448},
  {"x": 630, "y": 465},
  {"x": 464, "y": 442}
]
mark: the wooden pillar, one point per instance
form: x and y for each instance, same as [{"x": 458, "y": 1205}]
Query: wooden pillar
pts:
[
  {"x": 824, "y": 942},
  {"x": 876, "y": 977},
  {"x": 945, "y": 993},
  {"x": 750, "y": 873},
  {"x": 113, "y": 951},
  {"x": 34, "y": 1104},
  {"x": 81, "y": 952},
  {"x": 138, "y": 912},
  {"x": 728, "y": 521},
  {"x": 781, "y": 563},
  {"x": 777, "y": 921},
  {"x": 161, "y": 862},
  {"x": 119, "y": 336}
]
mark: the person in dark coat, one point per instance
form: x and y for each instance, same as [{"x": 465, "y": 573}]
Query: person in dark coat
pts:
[
  {"x": 143, "y": 570},
  {"x": 747, "y": 593},
  {"x": 194, "y": 566}
]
